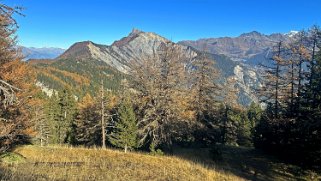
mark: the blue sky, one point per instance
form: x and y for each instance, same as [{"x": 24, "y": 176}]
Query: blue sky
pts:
[{"x": 60, "y": 23}]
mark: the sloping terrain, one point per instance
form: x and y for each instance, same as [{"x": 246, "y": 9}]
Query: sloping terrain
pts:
[
  {"x": 59, "y": 163},
  {"x": 112, "y": 63},
  {"x": 67, "y": 163},
  {"x": 77, "y": 75}
]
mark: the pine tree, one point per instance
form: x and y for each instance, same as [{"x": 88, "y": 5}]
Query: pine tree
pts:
[
  {"x": 230, "y": 120},
  {"x": 254, "y": 114},
  {"x": 235, "y": 127},
  {"x": 229, "y": 126},
  {"x": 62, "y": 112},
  {"x": 125, "y": 133},
  {"x": 244, "y": 136}
]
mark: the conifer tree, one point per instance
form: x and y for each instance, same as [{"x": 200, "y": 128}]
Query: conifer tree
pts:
[
  {"x": 41, "y": 124},
  {"x": 160, "y": 84},
  {"x": 229, "y": 116},
  {"x": 62, "y": 111},
  {"x": 14, "y": 77},
  {"x": 88, "y": 129},
  {"x": 314, "y": 39},
  {"x": 303, "y": 58},
  {"x": 254, "y": 114},
  {"x": 125, "y": 132},
  {"x": 205, "y": 87},
  {"x": 274, "y": 91},
  {"x": 244, "y": 133}
]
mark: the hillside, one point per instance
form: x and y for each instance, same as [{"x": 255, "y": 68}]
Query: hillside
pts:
[
  {"x": 87, "y": 59},
  {"x": 79, "y": 76},
  {"x": 58, "y": 163},
  {"x": 67, "y": 163}
]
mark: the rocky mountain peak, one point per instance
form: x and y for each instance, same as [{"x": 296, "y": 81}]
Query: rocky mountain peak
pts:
[
  {"x": 252, "y": 33},
  {"x": 124, "y": 41},
  {"x": 79, "y": 50},
  {"x": 136, "y": 31},
  {"x": 139, "y": 37}
]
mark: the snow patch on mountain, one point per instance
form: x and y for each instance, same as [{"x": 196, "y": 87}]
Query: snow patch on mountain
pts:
[{"x": 292, "y": 33}]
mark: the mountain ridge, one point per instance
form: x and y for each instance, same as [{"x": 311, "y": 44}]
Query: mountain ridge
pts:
[
  {"x": 135, "y": 46},
  {"x": 86, "y": 58},
  {"x": 249, "y": 46}
]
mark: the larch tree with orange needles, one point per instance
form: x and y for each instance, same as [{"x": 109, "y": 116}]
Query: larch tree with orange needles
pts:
[{"x": 14, "y": 84}]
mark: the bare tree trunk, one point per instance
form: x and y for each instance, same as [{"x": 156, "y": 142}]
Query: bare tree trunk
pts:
[
  {"x": 125, "y": 148},
  {"x": 292, "y": 88},
  {"x": 103, "y": 131}
]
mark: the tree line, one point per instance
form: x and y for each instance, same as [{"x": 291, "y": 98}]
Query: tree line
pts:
[
  {"x": 290, "y": 125},
  {"x": 169, "y": 99}
]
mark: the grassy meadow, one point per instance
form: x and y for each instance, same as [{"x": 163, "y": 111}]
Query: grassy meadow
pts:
[
  {"x": 66, "y": 163},
  {"x": 69, "y": 163}
]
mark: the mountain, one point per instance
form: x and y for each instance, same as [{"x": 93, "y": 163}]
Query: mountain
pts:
[
  {"x": 82, "y": 66},
  {"x": 136, "y": 45},
  {"x": 41, "y": 53},
  {"x": 252, "y": 47}
]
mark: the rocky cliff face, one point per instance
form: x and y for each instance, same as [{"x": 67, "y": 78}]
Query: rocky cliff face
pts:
[
  {"x": 135, "y": 46},
  {"x": 247, "y": 51}
]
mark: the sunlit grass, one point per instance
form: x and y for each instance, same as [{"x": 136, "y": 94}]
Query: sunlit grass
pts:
[{"x": 67, "y": 163}]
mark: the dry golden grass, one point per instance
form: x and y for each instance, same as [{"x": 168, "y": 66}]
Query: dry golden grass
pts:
[{"x": 65, "y": 163}]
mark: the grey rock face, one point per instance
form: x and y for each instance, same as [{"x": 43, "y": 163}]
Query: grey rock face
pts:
[{"x": 119, "y": 55}]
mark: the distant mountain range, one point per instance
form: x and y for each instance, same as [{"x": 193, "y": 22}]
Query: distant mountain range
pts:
[
  {"x": 252, "y": 47},
  {"x": 41, "y": 53},
  {"x": 83, "y": 65}
]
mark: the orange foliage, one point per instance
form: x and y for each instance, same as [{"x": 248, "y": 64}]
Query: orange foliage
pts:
[
  {"x": 86, "y": 101},
  {"x": 46, "y": 73},
  {"x": 76, "y": 77},
  {"x": 113, "y": 100},
  {"x": 18, "y": 116}
]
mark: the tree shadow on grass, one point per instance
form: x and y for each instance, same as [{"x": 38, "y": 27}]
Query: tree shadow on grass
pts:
[
  {"x": 247, "y": 163},
  {"x": 11, "y": 172}
]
